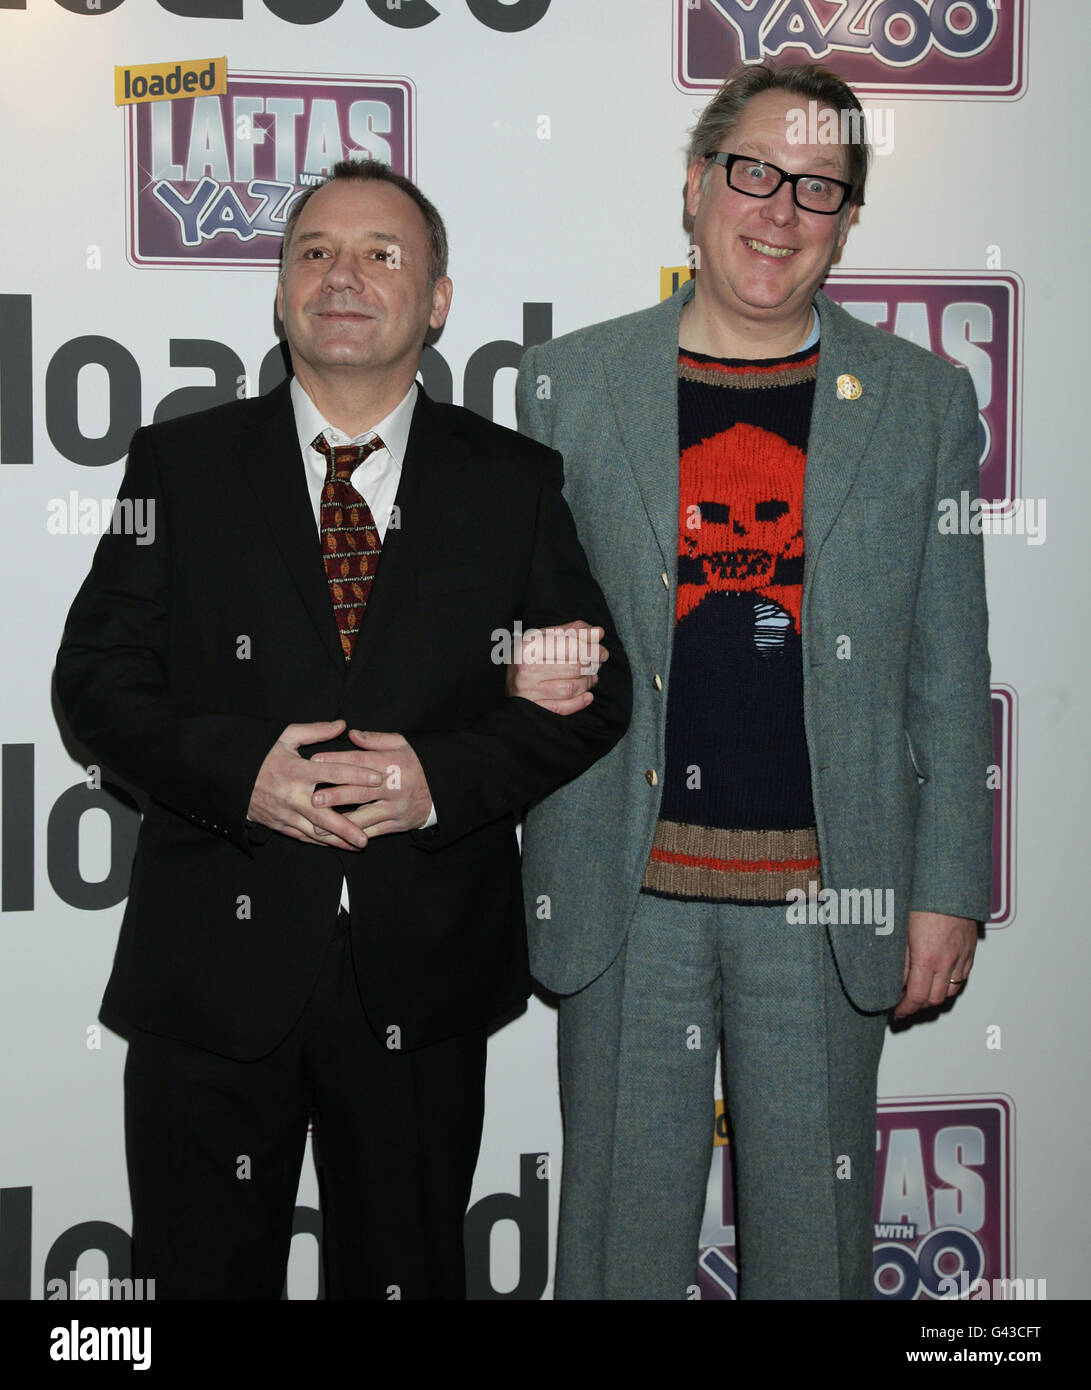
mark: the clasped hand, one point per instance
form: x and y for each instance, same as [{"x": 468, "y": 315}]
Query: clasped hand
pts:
[
  {"x": 381, "y": 778},
  {"x": 543, "y": 672}
]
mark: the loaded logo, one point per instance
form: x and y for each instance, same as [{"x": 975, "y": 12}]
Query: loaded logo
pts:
[
  {"x": 976, "y": 323},
  {"x": 164, "y": 81},
  {"x": 211, "y": 178},
  {"x": 1001, "y": 781},
  {"x": 929, "y": 48},
  {"x": 944, "y": 1203}
]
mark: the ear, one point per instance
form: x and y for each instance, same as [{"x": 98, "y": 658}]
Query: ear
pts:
[
  {"x": 441, "y": 302},
  {"x": 694, "y": 179},
  {"x": 846, "y": 222},
  {"x": 280, "y": 300}
]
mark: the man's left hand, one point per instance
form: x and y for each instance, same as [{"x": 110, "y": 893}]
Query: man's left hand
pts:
[
  {"x": 402, "y": 803},
  {"x": 541, "y": 674},
  {"x": 938, "y": 957}
]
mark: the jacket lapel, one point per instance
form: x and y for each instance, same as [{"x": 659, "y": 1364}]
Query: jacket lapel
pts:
[
  {"x": 643, "y": 376},
  {"x": 274, "y": 470},
  {"x": 642, "y": 372},
  {"x": 840, "y": 426},
  {"x": 435, "y": 456}
]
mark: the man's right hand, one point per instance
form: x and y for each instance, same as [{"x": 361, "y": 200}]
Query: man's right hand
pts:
[{"x": 281, "y": 798}]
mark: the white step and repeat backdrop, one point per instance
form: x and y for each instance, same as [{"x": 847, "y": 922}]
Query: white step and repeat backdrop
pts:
[{"x": 136, "y": 282}]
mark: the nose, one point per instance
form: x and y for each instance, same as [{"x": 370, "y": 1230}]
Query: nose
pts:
[
  {"x": 781, "y": 208},
  {"x": 343, "y": 272}
]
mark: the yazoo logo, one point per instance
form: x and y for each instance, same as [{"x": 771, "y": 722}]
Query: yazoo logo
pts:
[
  {"x": 211, "y": 179},
  {"x": 974, "y": 321},
  {"x": 943, "y": 48}
]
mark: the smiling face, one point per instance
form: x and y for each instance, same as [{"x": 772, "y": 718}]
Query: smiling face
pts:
[
  {"x": 761, "y": 259},
  {"x": 355, "y": 298}
]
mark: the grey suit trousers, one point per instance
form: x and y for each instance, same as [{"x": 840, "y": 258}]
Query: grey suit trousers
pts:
[{"x": 638, "y": 1056}]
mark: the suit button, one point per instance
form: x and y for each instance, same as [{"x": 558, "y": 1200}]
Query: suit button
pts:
[
  {"x": 651, "y": 777},
  {"x": 657, "y": 681}
]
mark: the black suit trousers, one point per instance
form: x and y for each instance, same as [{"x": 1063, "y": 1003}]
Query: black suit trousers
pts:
[{"x": 215, "y": 1148}]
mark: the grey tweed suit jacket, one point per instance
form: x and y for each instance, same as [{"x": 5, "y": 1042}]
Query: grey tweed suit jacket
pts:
[{"x": 897, "y": 719}]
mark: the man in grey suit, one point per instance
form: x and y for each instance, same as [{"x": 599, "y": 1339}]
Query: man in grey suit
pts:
[{"x": 794, "y": 836}]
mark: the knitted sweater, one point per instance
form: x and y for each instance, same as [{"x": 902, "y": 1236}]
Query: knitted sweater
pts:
[{"x": 737, "y": 819}]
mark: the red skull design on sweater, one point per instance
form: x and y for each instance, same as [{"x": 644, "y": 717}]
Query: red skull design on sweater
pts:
[{"x": 752, "y": 543}]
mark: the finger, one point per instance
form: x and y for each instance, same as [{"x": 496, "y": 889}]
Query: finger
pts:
[
  {"x": 324, "y": 837},
  {"x": 597, "y": 633},
  {"x": 392, "y": 816},
  {"x": 916, "y": 991},
  {"x": 387, "y": 827},
  {"x": 553, "y": 687},
  {"x": 587, "y": 655},
  {"x": 938, "y": 991},
  {"x": 562, "y": 685},
  {"x": 375, "y": 813},
  {"x": 364, "y": 773},
  {"x": 306, "y": 836},
  {"x": 346, "y": 794},
  {"x": 563, "y": 688},
  {"x": 572, "y": 706},
  {"x": 296, "y": 735},
  {"x": 373, "y": 741},
  {"x": 336, "y": 823},
  {"x": 958, "y": 977}
]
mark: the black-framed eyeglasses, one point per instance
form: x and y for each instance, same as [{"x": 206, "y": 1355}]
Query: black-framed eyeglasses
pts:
[{"x": 757, "y": 178}]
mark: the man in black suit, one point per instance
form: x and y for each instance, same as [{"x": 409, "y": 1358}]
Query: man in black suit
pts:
[{"x": 332, "y": 567}]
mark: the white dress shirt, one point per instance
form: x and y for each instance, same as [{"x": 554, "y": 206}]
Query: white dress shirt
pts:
[{"x": 376, "y": 479}]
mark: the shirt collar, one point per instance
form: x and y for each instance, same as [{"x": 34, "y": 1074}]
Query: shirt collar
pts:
[
  {"x": 813, "y": 336},
  {"x": 393, "y": 430}
]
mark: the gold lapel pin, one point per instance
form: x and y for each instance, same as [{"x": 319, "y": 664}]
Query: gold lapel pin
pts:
[{"x": 848, "y": 387}]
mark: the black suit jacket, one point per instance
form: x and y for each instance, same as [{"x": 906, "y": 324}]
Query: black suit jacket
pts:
[{"x": 183, "y": 660}]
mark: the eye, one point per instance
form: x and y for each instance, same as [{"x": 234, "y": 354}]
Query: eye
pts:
[
  {"x": 818, "y": 188},
  {"x": 755, "y": 172},
  {"x": 314, "y": 253},
  {"x": 380, "y": 255}
]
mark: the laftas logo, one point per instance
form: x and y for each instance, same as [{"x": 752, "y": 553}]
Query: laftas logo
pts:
[
  {"x": 975, "y": 321},
  {"x": 932, "y": 48},
  {"x": 944, "y": 1204},
  {"x": 211, "y": 179}
]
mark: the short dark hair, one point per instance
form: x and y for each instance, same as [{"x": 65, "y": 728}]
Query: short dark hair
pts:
[
  {"x": 807, "y": 80},
  {"x": 375, "y": 171}
]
